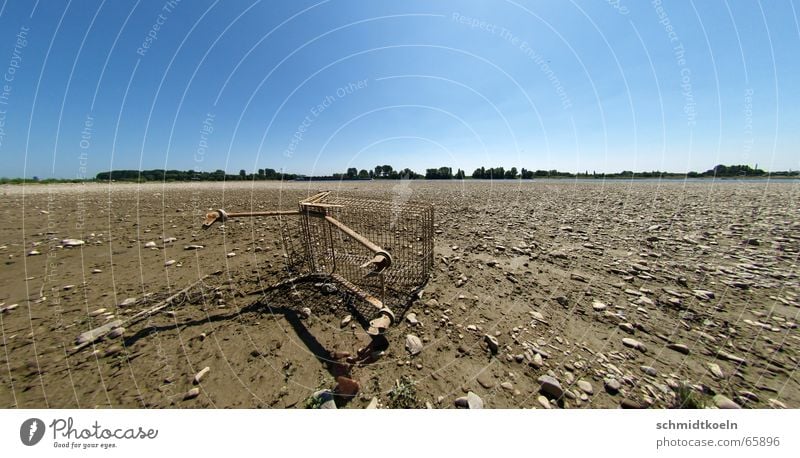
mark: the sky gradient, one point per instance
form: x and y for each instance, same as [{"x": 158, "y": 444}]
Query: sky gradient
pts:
[{"x": 317, "y": 87}]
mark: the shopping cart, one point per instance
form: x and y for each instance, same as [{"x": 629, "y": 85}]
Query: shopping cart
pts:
[{"x": 380, "y": 252}]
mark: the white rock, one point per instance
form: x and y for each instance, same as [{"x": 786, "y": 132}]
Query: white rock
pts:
[
  {"x": 346, "y": 320},
  {"x": 231, "y": 254},
  {"x": 72, "y": 242},
  {"x": 199, "y": 376},
  {"x": 170, "y": 262},
  {"x": 413, "y": 344},
  {"x": 150, "y": 244}
]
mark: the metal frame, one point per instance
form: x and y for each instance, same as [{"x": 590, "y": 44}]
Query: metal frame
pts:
[{"x": 379, "y": 251}]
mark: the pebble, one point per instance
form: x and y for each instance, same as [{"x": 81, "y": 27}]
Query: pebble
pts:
[
  {"x": 413, "y": 344},
  {"x": 599, "y": 306},
  {"x": 373, "y": 403},
  {"x": 723, "y": 402},
  {"x": 8, "y": 308},
  {"x": 346, "y": 320},
  {"x": 507, "y": 386},
  {"x": 544, "y": 402},
  {"x": 72, "y": 242},
  {"x": 649, "y": 370},
  {"x": 128, "y": 302},
  {"x": 170, "y": 262},
  {"x": 776, "y": 404},
  {"x": 412, "y": 319},
  {"x": 231, "y": 254},
  {"x": 586, "y": 387},
  {"x": 346, "y": 386},
  {"x": 627, "y": 327},
  {"x": 470, "y": 401},
  {"x": 199, "y": 376},
  {"x": 305, "y": 312},
  {"x": 97, "y": 312},
  {"x": 612, "y": 385},
  {"x": 116, "y": 332},
  {"x": 680, "y": 348},
  {"x": 491, "y": 341},
  {"x": 150, "y": 245},
  {"x": 630, "y": 404},
  {"x": 716, "y": 371},
  {"x": 191, "y": 394},
  {"x": 550, "y": 387},
  {"x": 193, "y": 247},
  {"x": 633, "y": 343},
  {"x": 34, "y": 253}
]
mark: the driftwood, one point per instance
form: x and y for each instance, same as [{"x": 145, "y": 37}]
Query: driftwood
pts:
[{"x": 91, "y": 336}]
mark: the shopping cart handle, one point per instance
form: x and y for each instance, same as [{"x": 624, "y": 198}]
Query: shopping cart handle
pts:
[
  {"x": 213, "y": 217},
  {"x": 379, "y": 263}
]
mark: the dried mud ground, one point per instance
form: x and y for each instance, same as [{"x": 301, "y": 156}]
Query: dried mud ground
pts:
[{"x": 633, "y": 294}]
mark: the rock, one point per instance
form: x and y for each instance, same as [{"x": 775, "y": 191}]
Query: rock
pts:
[
  {"x": 34, "y": 253},
  {"x": 8, "y": 308},
  {"x": 305, "y": 312},
  {"x": 231, "y": 254},
  {"x": 412, "y": 319},
  {"x": 97, "y": 312},
  {"x": 346, "y": 386},
  {"x": 630, "y": 404},
  {"x": 116, "y": 332},
  {"x": 543, "y": 402},
  {"x": 128, "y": 302},
  {"x": 550, "y": 387},
  {"x": 586, "y": 387},
  {"x": 680, "y": 348},
  {"x": 199, "y": 376},
  {"x": 649, "y": 370},
  {"x": 491, "y": 341},
  {"x": 507, "y": 386},
  {"x": 598, "y": 306},
  {"x": 612, "y": 385},
  {"x": 170, "y": 262},
  {"x": 723, "y": 402},
  {"x": 627, "y": 327},
  {"x": 413, "y": 344},
  {"x": 562, "y": 300},
  {"x": 703, "y": 294},
  {"x": 537, "y": 361},
  {"x": 72, "y": 242},
  {"x": 485, "y": 380},
  {"x": 373, "y": 403},
  {"x": 715, "y": 370},
  {"x": 633, "y": 343},
  {"x": 432, "y": 303},
  {"x": 474, "y": 401},
  {"x": 150, "y": 245},
  {"x": 776, "y": 404},
  {"x": 170, "y": 239},
  {"x": 193, "y": 247},
  {"x": 346, "y": 320},
  {"x": 191, "y": 394}
]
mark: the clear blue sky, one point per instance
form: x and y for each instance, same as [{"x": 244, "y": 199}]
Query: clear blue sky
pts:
[{"x": 316, "y": 87}]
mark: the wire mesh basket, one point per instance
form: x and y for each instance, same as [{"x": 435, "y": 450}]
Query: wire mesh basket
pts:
[{"x": 381, "y": 252}]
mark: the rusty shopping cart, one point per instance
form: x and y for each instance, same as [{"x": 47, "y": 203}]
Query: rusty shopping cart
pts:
[{"x": 380, "y": 252}]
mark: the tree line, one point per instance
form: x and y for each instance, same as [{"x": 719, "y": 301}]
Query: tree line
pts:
[{"x": 387, "y": 172}]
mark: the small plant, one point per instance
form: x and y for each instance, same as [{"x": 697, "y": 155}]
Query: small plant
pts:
[
  {"x": 689, "y": 398},
  {"x": 403, "y": 395}
]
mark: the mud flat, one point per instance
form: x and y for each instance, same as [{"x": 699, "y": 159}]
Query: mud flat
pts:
[{"x": 545, "y": 294}]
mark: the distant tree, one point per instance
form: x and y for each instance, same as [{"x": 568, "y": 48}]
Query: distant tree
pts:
[
  {"x": 371, "y": 174},
  {"x": 459, "y": 175},
  {"x": 511, "y": 174},
  {"x": 378, "y": 171},
  {"x": 352, "y": 172},
  {"x": 242, "y": 174},
  {"x": 363, "y": 174},
  {"x": 261, "y": 174}
]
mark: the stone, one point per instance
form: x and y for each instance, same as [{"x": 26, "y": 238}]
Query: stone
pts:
[
  {"x": 649, "y": 370},
  {"x": 776, "y": 404},
  {"x": 507, "y": 386},
  {"x": 543, "y": 402},
  {"x": 373, "y": 403},
  {"x": 150, "y": 245},
  {"x": 598, "y": 306},
  {"x": 703, "y": 294},
  {"x": 680, "y": 348},
  {"x": 231, "y": 254},
  {"x": 550, "y": 387},
  {"x": 346, "y": 320},
  {"x": 537, "y": 361},
  {"x": 723, "y": 402},
  {"x": 715, "y": 370},
  {"x": 34, "y": 253},
  {"x": 193, "y": 247},
  {"x": 627, "y": 327},
  {"x": 128, "y": 302},
  {"x": 492, "y": 343},
  {"x": 413, "y": 344},
  {"x": 612, "y": 385},
  {"x": 412, "y": 319},
  {"x": 485, "y": 380},
  {"x": 116, "y": 332},
  {"x": 72, "y": 242},
  {"x": 474, "y": 401},
  {"x": 97, "y": 312},
  {"x": 191, "y": 394},
  {"x": 346, "y": 386},
  {"x": 170, "y": 262},
  {"x": 199, "y": 376},
  {"x": 586, "y": 387},
  {"x": 305, "y": 312},
  {"x": 633, "y": 343},
  {"x": 629, "y": 404}
]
